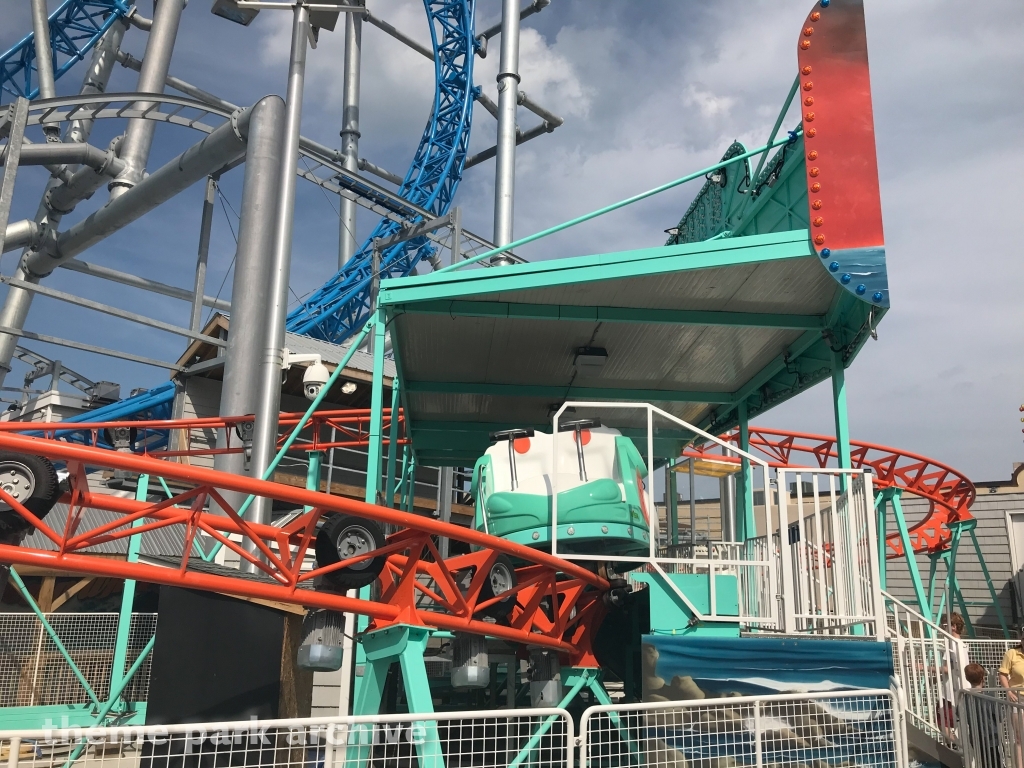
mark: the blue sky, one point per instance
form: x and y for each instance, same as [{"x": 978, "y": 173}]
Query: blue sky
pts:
[{"x": 650, "y": 91}]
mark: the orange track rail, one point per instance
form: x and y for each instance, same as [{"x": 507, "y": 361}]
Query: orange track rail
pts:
[
  {"x": 558, "y": 604},
  {"x": 949, "y": 493}
]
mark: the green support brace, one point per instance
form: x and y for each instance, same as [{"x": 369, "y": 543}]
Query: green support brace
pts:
[
  {"x": 672, "y": 503},
  {"x": 411, "y": 498},
  {"x": 405, "y": 644},
  {"x": 933, "y": 561},
  {"x": 839, "y": 405},
  {"x": 892, "y": 495},
  {"x": 746, "y": 526},
  {"x": 316, "y": 459},
  {"x": 375, "y": 449},
  {"x": 389, "y": 484},
  {"x": 124, "y": 619},
  {"x": 971, "y": 527},
  {"x": 16, "y": 578},
  {"x": 880, "y": 508}
]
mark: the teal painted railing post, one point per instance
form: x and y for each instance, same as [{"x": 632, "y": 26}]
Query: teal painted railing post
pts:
[
  {"x": 124, "y": 619},
  {"x": 375, "y": 448},
  {"x": 933, "y": 563},
  {"x": 316, "y": 459},
  {"x": 410, "y": 500},
  {"x": 881, "y": 506},
  {"x": 839, "y": 405},
  {"x": 746, "y": 526},
  {"x": 389, "y": 483},
  {"x": 672, "y": 503}
]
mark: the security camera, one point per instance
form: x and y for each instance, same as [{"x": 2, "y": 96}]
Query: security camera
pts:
[{"x": 314, "y": 379}]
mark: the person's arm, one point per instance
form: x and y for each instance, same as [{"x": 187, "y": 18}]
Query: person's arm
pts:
[
  {"x": 1004, "y": 675},
  {"x": 1004, "y": 680}
]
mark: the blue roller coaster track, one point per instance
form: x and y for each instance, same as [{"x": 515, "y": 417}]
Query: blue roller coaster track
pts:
[
  {"x": 339, "y": 307},
  {"x": 75, "y": 27}
]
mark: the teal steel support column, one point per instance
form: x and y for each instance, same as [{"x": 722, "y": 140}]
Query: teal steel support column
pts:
[
  {"x": 839, "y": 405},
  {"x": 894, "y": 495},
  {"x": 389, "y": 483},
  {"x": 881, "y": 506},
  {"x": 411, "y": 498},
  {"x": 970, "y": 526},
  {"x": 405, "y": 644},
  {"x": 672, "y": 503},
  {"x": 375, "y": 448},
  {"x": 124, "y": 619},
  {"x": 316, "y": 459},
  {"x": 933, "y": 563},
  {"x": 746, "y": 527},
  {"x": 402, "y": 477}
]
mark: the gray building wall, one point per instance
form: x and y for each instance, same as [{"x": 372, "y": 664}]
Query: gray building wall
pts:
[{"x": 990, "y": 509}]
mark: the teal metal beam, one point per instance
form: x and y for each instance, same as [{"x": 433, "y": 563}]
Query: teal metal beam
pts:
[
  {"x": 839, "y": 406},
  {"x": 971, "y": 525},
  {"x": 880, "y": 508},
  {"x": 376, "y": 432},
  {"x": 316, "y": 459},
  {"x": 745, "y": 523},
  {"x": 645, "y": 262},
  {"x": 566, "y": 392},
  {"x": 53, "y": 635},
  {"x": 124, "y": 618},
  {"x": 389, "y": 483},
  {"x": 672, "y": 504},
  {"x": 893, "y": 496},
  {"x": 597, "y": 314},
  {"x": 779, "y": 364}
]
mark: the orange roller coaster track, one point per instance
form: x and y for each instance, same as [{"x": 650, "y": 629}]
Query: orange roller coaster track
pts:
[
  {"x": 949, "y": 493},
  {"x": 557, "y": 604}
]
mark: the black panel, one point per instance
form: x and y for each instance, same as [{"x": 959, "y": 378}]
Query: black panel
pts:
[{"x": 216, "y": 658}]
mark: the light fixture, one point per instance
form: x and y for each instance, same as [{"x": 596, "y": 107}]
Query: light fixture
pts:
[
  {"x": 348, "y": 387},
  {"x": 590, "y": 360},
  {"x": 672, "y": 231}
]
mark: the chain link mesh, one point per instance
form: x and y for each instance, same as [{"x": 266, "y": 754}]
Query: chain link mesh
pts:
[{"x": 33, "y": 671}]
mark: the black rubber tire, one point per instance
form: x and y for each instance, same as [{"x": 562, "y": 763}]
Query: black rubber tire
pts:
[
  {"x": 501, "y": 578},
  {"x": 355, "y": 534},
  {"x": 45, "y": 490}
]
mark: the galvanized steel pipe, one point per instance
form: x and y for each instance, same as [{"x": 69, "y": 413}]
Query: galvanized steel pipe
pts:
[
  {"x": 508, "y": 99},
  {"x": 276, "y": 308},
  {"x": 139, "y": 137}
]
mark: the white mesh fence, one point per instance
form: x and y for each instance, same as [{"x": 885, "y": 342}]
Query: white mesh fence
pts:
[
  {"x": 534, "y": 738},
  {"x": 33, "y": 671},
  {"x": 863, "y": 728},
  {"x": 989, "y": 653}
]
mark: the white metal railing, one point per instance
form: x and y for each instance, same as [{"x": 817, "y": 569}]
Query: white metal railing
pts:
[
  {"x": 813, "y": 568},
  {"x": 528, "y": 738},
  {"x": 755, "y": 568},
  {"x": 832, "y": 567},
  {"x": 991, "y": 728},
  {"x": 927, "y": 661},
  {"x": 863, "y": 727},
  {"x": 33, "y": 671}
]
